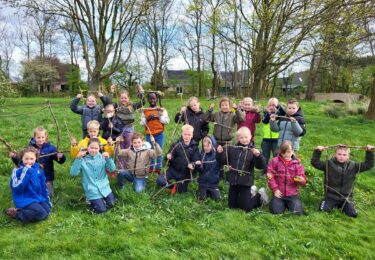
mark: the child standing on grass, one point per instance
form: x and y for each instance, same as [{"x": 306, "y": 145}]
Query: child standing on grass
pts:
[
  {"x": 47, "y": 154},
  {"x": 183, "y": 156},
  {"x": 252, "y": 116},
  {"x": 224, "y": 120},
  {"x": 193, "y": 115},
  {"x": 290, "y": 127},
  {"x": 29, "y": 190},
  {"x": 137, "y": 160},
  {"x": 92, "y": 167},
  {"x": 241, "y": 160},
  {"x": 270, "y": 138},
  {"x": 285, "y": 173},
  {"x": 209, "y": 171},
  {"x": 153, "y": 119},
  {"x": 90, "y": 111},
  {"x": 93, "y": 132},
  {"x": 339, "y": 177}
]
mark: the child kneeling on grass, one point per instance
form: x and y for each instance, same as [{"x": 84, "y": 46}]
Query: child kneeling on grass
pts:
[
  {"x": 340, "y": 174},
  {"x": 137, "y": 160},
  {"x": 29, "y": 189},
  {"x": 95, "y": 181},
  {"x": 285, "y": 173},
  {"x": 241, "y": 159},
  {"x": 183, "y": 156}
]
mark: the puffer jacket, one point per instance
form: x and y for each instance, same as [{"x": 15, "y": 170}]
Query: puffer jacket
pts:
[
  {"x": 137, "y": 162},
  {"x": 291, "y": 131},
  {"x": 209, "y": 171},
  {"x": 241, "y": 164},
  {"x": 201, "y": 127},
  {"x": 339, "y": 177},
  {"x": 116, "y": 129},
  {"x": 45, "y": 161},
  {"x": 28, "y": 186},
  {"x": 104, "y": 147},
  {"x": 94, "y": 178},
  {"x": 281, "y": 176},
  {"x": 88, "y": 113},
  {"x": 225, "y": 123},
  {"x": 179, "y": 162}
]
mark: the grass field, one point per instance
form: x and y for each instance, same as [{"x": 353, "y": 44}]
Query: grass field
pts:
[{"x": 143, "y": 226}]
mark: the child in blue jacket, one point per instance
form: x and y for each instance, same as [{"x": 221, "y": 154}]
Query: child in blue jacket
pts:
[
  {"x": 29, "y": 190},
  {"x": 47, "y": 154},
  {"x": 95, "y": 181},
  {"x": 209, "y": 171}
]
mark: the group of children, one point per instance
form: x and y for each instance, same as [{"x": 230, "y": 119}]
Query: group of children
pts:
[{"x": 94, "y": 156}]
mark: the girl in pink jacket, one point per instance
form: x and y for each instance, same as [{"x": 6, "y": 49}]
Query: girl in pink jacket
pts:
[{"x": 285, "y": 173}]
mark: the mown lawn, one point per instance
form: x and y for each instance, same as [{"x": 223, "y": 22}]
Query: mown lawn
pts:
[{"x": 143, "y": 226}]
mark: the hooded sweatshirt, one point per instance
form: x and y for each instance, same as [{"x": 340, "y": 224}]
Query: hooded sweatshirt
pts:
[{"x": 209, "y": 171}]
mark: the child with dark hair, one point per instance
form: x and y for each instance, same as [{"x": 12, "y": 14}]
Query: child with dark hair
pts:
[
  {"x": 153, "y": 119},
  {"x": 111, "y": 124},
  {"x": 92, "y": 166},
  {"x": 285, "y": 173},
  {"x": 29, "y": 190},
  {"x": 339, "y": 177},
  {"x": 47, "y": 155}
]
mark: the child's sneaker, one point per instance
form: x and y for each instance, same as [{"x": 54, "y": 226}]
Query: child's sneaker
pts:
[
  {"x": 158, "y": 171},
  {"x": 263, "y": 196},
  {"x": 253, "y": 190},
  {"x": 174, "y": 189},
  {"x": 11, "y": 212}
]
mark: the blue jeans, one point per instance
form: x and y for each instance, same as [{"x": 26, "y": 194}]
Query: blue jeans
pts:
[
  {"x": 139, "y": 183},
  {"x": 160, "y": 140},
  {"x": 33, "y": 212},
  {"x": 101, "y": 205}
]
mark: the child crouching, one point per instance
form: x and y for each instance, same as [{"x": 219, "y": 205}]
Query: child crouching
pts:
[
  {"x": 209, "y": 171},
  {"x": 241, "y": 160},
  {"x": 285, "y": 173},
  {"x": 95, "y": 181},
  {"x": 29, "y": 189},
  {"x": 137, "y": 159}
]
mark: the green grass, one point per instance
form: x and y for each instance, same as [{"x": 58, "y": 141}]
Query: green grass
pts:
[{"x": 142, "y": 226}]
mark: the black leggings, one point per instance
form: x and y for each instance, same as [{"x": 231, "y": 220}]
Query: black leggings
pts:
[{"x": 240, "y": 197}]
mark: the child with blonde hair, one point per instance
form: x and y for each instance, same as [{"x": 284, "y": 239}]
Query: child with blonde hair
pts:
[
  {"x": 193, "y": 115},
  {"x": 339, "y": 177},
  {"x": 241, "y": 160},
  {"x": 252, "y": 116},
  {"x": 29, "y": 190},
  {"x": 48, "y": 153},
  {"x": 285, "y": 173}
]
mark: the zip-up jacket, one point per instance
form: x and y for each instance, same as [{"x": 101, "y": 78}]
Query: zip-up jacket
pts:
[
  {"x": 137, "y": 162},
  {"x": 339, "y": 177},
  {"x": 267, "y": 133},
  {"x": 116, "y": 129},
  {"x": 94, "y": 178},
  {"x": 290, "y": 130},
  {"x": 182, "y": 155},
  {"x": 241, "y": 162},
  {"x": 251, "y": 118},
  {"x": 209, "y": 171},
  {"x": 225, "y": 123},
  {"x": 105, "y": 147},
  {"x": 28, "y": 186},
  {"x": 88, "y": 113},
  {"x": 281, "y": 176},
  {"x": 195, "y": 119}
]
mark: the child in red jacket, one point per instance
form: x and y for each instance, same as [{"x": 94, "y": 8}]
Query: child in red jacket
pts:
[
  {"x": 284, "y": 174},
  {"x": 252, "y": 116}
]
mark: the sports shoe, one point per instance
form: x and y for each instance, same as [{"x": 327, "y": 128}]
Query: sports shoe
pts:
[
  {"x": 50, "y": 188},
  {"x": 174, "y": 189},
  {"x": 11, "y": 212},
  {"x": 253, "y": 190},
  {"x": 263, "y": 196}
]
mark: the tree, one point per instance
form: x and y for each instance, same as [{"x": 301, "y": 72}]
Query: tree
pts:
[
  {"x": 106, "y": 29},
  {"x": 157, "y": 35}
]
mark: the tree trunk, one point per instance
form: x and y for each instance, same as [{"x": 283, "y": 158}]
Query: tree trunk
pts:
[
  {"x": 94, "y": 82},
  {"x": 311, "y": 81},
  {"x": 371, "y": 108}
]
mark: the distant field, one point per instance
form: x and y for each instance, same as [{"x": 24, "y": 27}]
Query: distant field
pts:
[{"x": 143, "y": 226}]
